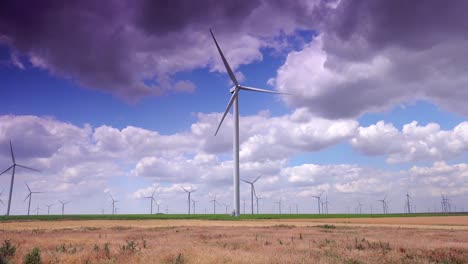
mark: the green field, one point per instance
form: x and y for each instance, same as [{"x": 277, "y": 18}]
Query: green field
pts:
[{"x": 209, "y": 216}]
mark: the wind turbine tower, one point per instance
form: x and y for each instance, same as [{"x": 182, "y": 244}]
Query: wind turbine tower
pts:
[
  {"x": 13, "y": 167},
  {"x": 234, "y": 102}
]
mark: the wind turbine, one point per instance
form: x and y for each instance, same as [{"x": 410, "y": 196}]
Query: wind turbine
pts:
[
  {"x": 214, "y": 204},
  {"x": 152, "y": 199},
  {"x": 29, "y": 196},
  {"x": 227, "y": 206},
  {"x": 48, "y": 208},
  {"x": 63, "y": 206},
  {"x": 279, "y": 205},
  {"x": 326, "y": 204},
  {"x": 1, "y": 201},
  {"x": 158, "y": 203},
  {"x": 189, "y": 192},
  {"x": 384, "y": 204},
  {"x": 113, "y": 204},
  {"x": 360, "y": 207},
  {"x": 318, "y": 200},
  {"x": 194, "y": 203},
  {"x": 257, "y": 199},
  {"x": 37, "y": 209},
  {"x": 252, "y": 190},
  {"x": 13, "y": 175},
  {"x": 235, "y": 101}
]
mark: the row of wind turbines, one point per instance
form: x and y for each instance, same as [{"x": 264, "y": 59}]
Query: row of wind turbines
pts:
[{"x": 30, "y": 192}]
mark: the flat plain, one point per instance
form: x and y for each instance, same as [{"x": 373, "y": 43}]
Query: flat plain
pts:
[{"x": 431, "y": 239}]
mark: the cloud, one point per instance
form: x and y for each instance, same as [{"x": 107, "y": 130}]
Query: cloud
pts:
[
  {"x": 413, "y": 143},
  {"x": 133, "y": 49},
  {"x": 85, "y": 164},
  {"x": 372, "y": 55}
]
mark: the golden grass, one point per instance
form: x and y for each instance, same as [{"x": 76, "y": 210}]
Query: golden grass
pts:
[{"x": 189, "y": 241}]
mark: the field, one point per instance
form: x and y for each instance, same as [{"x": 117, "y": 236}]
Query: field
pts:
[{"x": 396, "y": 239}]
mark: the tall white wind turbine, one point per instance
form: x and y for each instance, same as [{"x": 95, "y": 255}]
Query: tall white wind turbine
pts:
[
  {"x": 234, "y": 101},
  {"x": 13, "y": 167}
]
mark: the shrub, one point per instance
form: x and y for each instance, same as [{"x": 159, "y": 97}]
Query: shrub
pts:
[
  {"x": 33, "y": 257},
  {"x": 179, "y": 259},
  {"x": 7, "y": 249},
  {"x": 107, "y": 250}
]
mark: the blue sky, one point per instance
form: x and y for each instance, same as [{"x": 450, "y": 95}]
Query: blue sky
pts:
[{"x": 346, "y": 129}]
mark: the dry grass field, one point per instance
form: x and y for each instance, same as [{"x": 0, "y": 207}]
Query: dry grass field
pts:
[{"x": 382, "y": 240}]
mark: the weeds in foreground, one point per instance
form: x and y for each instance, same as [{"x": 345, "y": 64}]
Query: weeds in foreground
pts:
[
  {"x": 130, "y": 247},
  {"x": 33, "y": 257},
  {"x": 107, "y": 250},
  {"x": 7, "y": 251}
]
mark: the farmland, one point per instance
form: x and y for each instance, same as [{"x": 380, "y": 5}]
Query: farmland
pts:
[{"x": 396, "y": 239}]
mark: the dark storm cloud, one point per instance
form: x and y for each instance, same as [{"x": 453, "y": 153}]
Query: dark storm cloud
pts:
[
  {"x": 372, "y": 55},
  {"x": 132, "y": 48},
  {"x": 413, "y": 25}
]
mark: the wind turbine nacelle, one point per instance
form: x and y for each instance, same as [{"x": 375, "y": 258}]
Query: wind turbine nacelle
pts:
[{"x": 233, "y": 89}]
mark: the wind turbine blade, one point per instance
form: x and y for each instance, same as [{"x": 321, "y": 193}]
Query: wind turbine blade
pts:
[
  {"x": 26, "y": 167},
  {"x": 246, "y": 181},
  {"x": 226, "y": 65},
  {"x": 259, "y": 90},
  {"x": 27, "y": 197},
  {"x": 12, "y": 155},
  {"x": 28, "y": 187},
  {"x": 257, "y": 178},
  {"x": 231, "y": 101},
  {"x": 7, "y": 169}
]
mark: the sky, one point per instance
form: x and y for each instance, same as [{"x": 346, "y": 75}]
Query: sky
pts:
[{"x": 123, "y": 98}]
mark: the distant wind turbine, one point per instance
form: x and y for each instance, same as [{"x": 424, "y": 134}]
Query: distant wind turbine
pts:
[
  {"x": 189, "y": 192},
  {"x": 227, "y": 206},
  {"x": 13, "y": 175},
  {"x": 113, "y": 204},
  {"x": 37, "y": 209},
  {"x": 214, "y": 204},
  {"x": 235, "y": 101},
  {"x": 158, "y": 204},
  {"x": 63, "y": 206},
  {"x": 252, "y": 190},
  {"x": 279, "y": 205},
  {"x": 1, "y": 201},
  {"x": 194, "y": 203},
  {"x": 151, "y": 199},
  {"x": 384, "y": 204},
  {"x": 318, "y": 197},
  {"x": 48, "y": 208},
  {"x": 257, "y": 198},
  {"x": 29, "y": 196}
]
